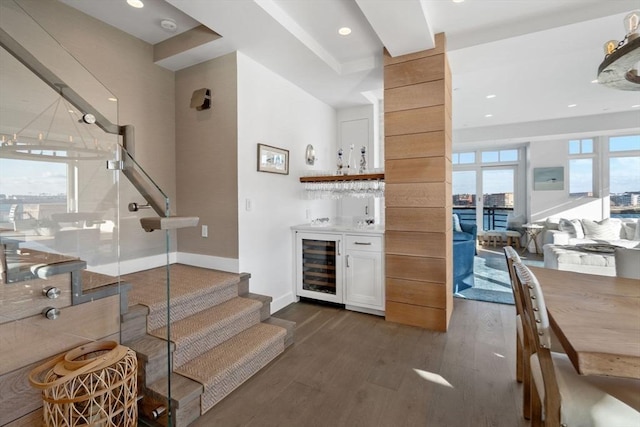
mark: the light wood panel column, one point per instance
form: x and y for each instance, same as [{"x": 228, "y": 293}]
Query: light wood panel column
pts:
[{"x": 418, "y": 249}]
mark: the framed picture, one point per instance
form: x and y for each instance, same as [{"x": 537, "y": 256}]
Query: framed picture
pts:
[
  {"x": 273, "y": 159},
  {"x": 548, "y": 179}
]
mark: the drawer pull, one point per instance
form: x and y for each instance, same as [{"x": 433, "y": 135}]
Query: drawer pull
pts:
[
  {"x": 51, "y": 293},
  {"x": 51, "y": 313},
  {"x": 363, "y": 243}
]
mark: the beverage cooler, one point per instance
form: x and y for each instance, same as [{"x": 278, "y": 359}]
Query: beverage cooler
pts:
[{"x": 319, "y": 266}]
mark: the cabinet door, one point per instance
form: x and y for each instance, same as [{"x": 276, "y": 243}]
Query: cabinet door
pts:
[
  {"x": 363, "y": 283},
  {"x": 319, "y": 266}
]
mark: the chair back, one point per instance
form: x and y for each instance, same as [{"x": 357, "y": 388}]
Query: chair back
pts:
[
  {"x": 536, "y": 326},
  {"x": 513, "y": 258},
  {"x": 628, "y": 262}
]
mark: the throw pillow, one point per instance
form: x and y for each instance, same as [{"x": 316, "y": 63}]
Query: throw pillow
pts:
[
  {"x": 571, "y": 226},
  {"x": 631, "y": 230},
  {"x": 551, "y": 223},
  {"x": 600, "y": 230},
  {"x": 456, "y": 223}
]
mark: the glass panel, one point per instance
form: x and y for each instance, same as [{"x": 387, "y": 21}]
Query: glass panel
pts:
[
  {"x": 624, "y": 181},
  {"x": 587, "y": 146},
  {"x": 466, "y": 158},
  {"x": 454, "y": 158},
  {"x": 60, "y": 216},
  {"x": 508, "y": 155},
  {"x": 497, "y": 196},
  {"x": 490, "y": 156},
  {"x": 581, "y": 177},
  {"x": 574, "y": 146},
  {"x": 464, "y": 195},
  {"x": 624, "y": 143}
]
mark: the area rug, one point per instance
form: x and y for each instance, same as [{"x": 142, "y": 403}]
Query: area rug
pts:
[{"x": 491, "y": 280}]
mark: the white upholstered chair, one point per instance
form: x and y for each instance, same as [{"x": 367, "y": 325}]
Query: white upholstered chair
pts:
[
  {"x": 628, "y": 262},
  {"x": 560, "y": 396}
]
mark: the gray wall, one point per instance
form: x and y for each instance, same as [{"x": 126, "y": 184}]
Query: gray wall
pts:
[{"x": 207, "y": 157}]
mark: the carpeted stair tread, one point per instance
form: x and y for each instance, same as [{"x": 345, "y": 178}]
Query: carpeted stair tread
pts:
[
  {"x": 204, "y": 330},
  {"x": 228, "y": 365},
  {"x": 193, "y": 289}
]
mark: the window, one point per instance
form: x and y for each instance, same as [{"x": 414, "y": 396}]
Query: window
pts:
[
  {"x": 624, "y": 175},
  {"x": 581, "y": 146},
  {"x": 500, "y": 156},
  {"x": 581, "y": 155},
  {"x": 463, "y": 158},
  {"x": 581, "y": 177},
  {"x": 624, "y": 143}
]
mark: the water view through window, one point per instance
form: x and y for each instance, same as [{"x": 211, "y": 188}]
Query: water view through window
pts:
[{"x": 31, "y": 190}]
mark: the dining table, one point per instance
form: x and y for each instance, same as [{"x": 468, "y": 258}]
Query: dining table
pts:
[{"x": 596, "y": 319}]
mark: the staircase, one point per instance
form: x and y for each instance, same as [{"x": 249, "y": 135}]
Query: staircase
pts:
[{"x": 220, "y": 336}]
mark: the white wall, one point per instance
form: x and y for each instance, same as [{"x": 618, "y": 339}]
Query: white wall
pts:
[
  {"x": 543, "y": 204},
  {"x": 273, "y": 111}
]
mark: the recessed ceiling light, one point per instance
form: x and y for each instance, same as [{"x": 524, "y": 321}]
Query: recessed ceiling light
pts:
[
  {"x": 594, "y": 81},
  {"x": 135, "y": 3},
  {"x": 491, "y": 96},
  {"x": 488, "y": 115},
  {"x": 112, "y": 99},
  {"x": 572, "y": 105},
  {"x": 635, "y": 106},
  {"x": 457, "y": 1},
  {"x": 344, "y": 31}
]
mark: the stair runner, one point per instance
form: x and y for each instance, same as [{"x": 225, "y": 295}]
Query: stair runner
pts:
[{"x": 219, "y": 339}]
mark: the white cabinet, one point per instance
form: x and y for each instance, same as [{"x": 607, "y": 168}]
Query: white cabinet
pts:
[
  {"x": 363, "y": 273},
  {"x": 345, "y": 268}
]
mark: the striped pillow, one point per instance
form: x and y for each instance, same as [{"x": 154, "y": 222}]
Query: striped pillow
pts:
[{"x": 601, "y": 230}]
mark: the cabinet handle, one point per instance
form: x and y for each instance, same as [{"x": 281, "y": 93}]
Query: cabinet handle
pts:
[
  {"x": 363, "y": 243},
  {"x": 51, "y": 293},
  {"x": 347, "y": 261},
  {"x": 339, "y": 247},
  {"x": 51, "y": 313}
]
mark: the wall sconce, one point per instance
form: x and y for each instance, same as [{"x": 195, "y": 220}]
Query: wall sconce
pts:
[
  {"x": 310, "y": 155},
  {"x": 201, "y": 99}
]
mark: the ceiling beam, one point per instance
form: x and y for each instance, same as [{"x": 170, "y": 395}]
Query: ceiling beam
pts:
[{"x": 402, "y": 26}]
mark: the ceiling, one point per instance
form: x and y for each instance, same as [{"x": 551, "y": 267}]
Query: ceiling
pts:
[{"x": 537, "y": 57}]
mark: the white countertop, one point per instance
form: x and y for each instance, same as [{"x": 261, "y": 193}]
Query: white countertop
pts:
[{"x": 340, "y": 228}]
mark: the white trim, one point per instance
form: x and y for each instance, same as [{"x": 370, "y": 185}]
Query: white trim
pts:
[
  {"x": 231, "y": 265},
  {"x": 282, "y": 301},
  {"x": 134, "y": 265}
]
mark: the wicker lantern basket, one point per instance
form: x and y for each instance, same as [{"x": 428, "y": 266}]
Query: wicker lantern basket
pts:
[{"x": 91, "y": 385}]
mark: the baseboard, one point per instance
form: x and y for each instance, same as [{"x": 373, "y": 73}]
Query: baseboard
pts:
[
  {"x": 134, "y": 265},
  {"x": 281, "y": 302},
  {"x": 231, "y": 265}
]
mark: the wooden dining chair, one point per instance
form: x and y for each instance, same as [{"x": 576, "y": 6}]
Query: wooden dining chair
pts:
[
  {"x": 522, "y": 363},
  {"x": 559, "y": 395}
]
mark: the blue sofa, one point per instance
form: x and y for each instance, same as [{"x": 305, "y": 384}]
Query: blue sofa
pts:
[{"x": 464, "y": 251}]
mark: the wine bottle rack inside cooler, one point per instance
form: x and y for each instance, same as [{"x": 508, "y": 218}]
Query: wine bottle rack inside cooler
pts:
[{"x": 319, "y": 266}]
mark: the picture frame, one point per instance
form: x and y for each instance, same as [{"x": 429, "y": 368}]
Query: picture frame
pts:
[
  {"x": 273, "y": 159},
  {"x": 548, "y": 179}
]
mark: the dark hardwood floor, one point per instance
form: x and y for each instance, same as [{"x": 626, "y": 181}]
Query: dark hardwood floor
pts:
[{"x": 353, "y": 369}]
